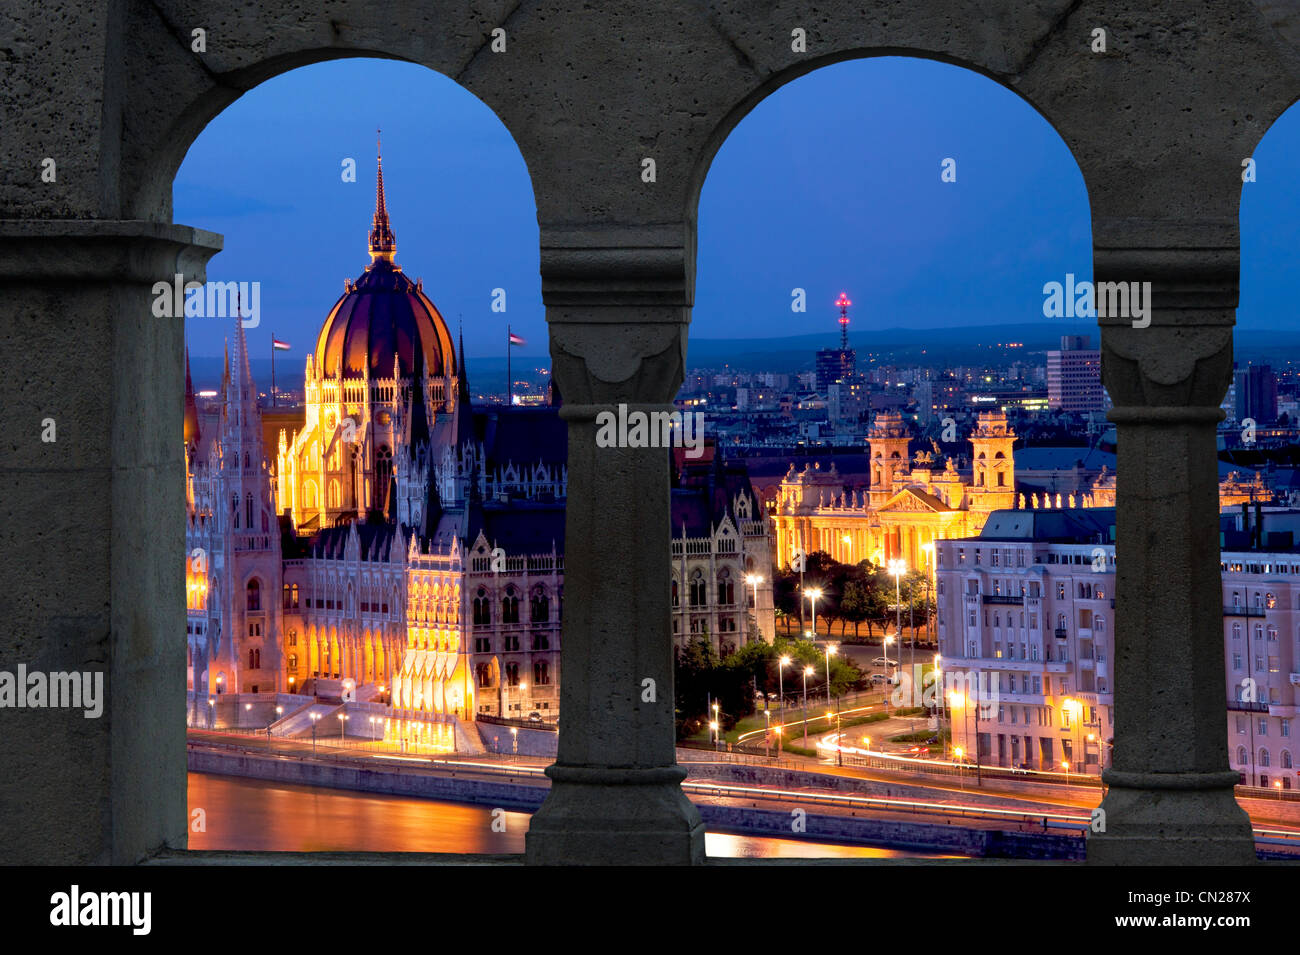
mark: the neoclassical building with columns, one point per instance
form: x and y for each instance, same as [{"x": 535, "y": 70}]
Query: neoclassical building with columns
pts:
[{"x": 907, "y": 504}]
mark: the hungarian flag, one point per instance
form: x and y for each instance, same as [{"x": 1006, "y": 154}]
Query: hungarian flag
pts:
[
  {"x": 516, "y": 340},
  {"x": 277, "y": 344}
]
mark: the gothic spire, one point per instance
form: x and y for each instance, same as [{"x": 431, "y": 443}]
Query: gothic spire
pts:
[
  {"x": 382, "y": 243},
  {"x": 191, "y": 408}
]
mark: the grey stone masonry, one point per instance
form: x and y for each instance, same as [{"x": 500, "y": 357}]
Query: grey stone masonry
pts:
[{"x": 91, "y": 535}]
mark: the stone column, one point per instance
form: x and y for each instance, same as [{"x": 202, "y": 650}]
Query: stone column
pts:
[
  {"x": 1171, "y": 798},
  {"x": 617, "y": 307},
  {"x": 91, "y": 535}
]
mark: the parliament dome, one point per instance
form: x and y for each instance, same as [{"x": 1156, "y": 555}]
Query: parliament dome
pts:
[{"x": 381, "y": 315}]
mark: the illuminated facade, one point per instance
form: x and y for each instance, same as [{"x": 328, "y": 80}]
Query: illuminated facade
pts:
[
  {"x": 405, "y": 544},
  {"x": 906, "y": 506}
]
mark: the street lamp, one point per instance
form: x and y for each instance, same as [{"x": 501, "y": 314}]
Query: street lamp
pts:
[
  {"x": 830, "y": 648},
  {"x": 813, "y": 594},
  {"x": 514, "y": 739},
  {"x": 780, "y": 679},
  {"x": 278, "y": 711},
  {"x": 342, "y": 720},
  {"x": 889, "y": 676},
  {"x": 897, "y": 567},
  {"x": 212, "y": 712},
  {"x": 807, "y": 672},
  {"x": 314, "y": 718},
  {"x": 717, "y": 724},
  {"x": 961, "y": 774}
]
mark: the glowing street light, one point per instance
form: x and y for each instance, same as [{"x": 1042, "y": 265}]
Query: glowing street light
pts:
[
  {"x": 813, "y": 594},
  {"x": 315, "y": 717},
  {"x": 342, "y": 720},
  {"x": 780, "y": 679},
  {"x": 807, "y": 672}
]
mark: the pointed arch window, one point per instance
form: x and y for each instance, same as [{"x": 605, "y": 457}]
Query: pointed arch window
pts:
[
  {"x": 254, "y": 595},
  {"x": 510, "y": 606},
  {"x": 699, "y": 590}
]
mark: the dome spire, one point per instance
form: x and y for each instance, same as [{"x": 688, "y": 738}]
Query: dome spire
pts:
[{"x": 382, "y": 243}]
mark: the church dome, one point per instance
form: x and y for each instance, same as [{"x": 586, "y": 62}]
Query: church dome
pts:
[{"x": 382, "y": 315}]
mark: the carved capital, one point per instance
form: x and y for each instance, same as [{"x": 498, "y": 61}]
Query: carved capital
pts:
[{"x": 1180, "y": 353}]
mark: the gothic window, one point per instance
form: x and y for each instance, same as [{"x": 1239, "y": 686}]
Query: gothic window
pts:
[
  {"x": 510, "y": 606},
  {"x": 675, "y": 599},
  {"x": 293, "y": 638},
  {"x": 512, "y": 674},
  {"x": 1286, "y": 759},
  {"x": 541, "y": 641},
  {"x": 234, "y": 509},
  {"x": 287, "y": 597},
  {"x": 482, "y": 609},
  {"x": 1263, "y": 757},
  {"x": 293, "y": 661},
  {"x": 334, "y": 496},
  {"x": 699, "y": 590},
  {"x": 726, "y": 589},
  {"x": 540, "y": 607},
  {"x": 255, "y": 659},
  {"x": 541, "y": 673},
  {"x": 483, "y": 674},
  {"x": 254, "y": 595}
]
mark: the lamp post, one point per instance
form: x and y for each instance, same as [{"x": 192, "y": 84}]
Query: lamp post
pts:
[
  {"x": 807, "y": 671},
  {"x": 212, "y": 712},
  {"x": 278, "y": 711},
  {"x": 780, "y": 680},
  {"x": 830, "y": 648},
  {"x": 889, "y": 676},
  {"x": 767, "y": 732},
  {"x": 314, "y": 718},
  {"x": 897, "y": 567},
  {"x": 717, "y": 726},
  {"x": 813, "y": 594},
  {"x": 514, "y": 740},
  {"x": 961, "y": 770},
  {"x": 343, "y": 718}
]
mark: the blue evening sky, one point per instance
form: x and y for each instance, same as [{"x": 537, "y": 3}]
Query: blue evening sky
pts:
[{"x": 831, "y": 183}]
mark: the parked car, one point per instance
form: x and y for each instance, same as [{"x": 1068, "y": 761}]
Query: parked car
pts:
[
  {"x": 878, "y": 678},
  {"x": 881, "y": 661},
  {"x": 534, "y": 717}
]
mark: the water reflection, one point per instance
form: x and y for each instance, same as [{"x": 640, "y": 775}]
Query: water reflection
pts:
[{"x": 254, "y": 814}]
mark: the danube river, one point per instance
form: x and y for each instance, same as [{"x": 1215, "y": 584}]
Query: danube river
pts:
[{"x": 253, "y": 814}]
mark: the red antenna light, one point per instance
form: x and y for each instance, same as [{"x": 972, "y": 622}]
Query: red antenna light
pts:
[{"x": 843, "y": 303}]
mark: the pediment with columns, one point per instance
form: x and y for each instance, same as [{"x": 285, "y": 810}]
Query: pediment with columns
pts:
[{"x": 911, "y": 499}]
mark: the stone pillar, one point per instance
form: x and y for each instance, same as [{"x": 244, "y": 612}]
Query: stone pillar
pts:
[
  {"x": 94, "y": 578},
  {"x": 1171, "y": 798},
  {"x": 617, "y": 307}
]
